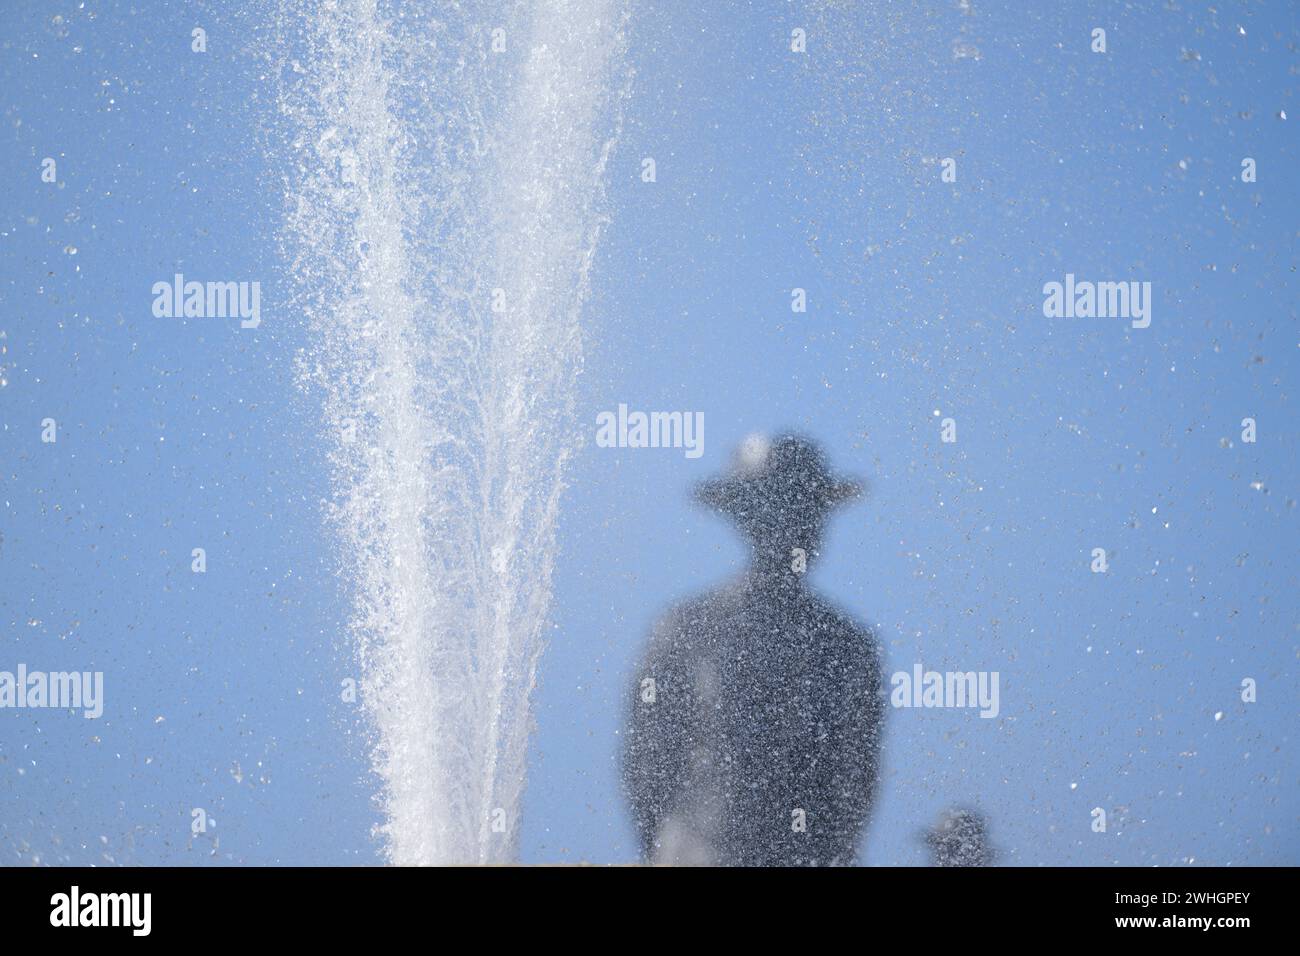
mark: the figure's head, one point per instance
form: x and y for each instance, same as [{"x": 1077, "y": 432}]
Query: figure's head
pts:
[
  {"x": 779, "y": 493},
  {"x": 960, "y": 838}
]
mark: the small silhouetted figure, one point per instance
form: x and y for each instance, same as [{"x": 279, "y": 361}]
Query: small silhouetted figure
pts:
[
  {"x": 753, "y": 735},
  {"x": 960, "y": 838}
]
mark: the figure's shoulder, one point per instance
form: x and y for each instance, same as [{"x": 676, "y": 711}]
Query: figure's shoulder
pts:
[
  {"x": 692, "y": 626},
  {"x": 701, "y": 610},
  {"x": 844, "y": 629}
]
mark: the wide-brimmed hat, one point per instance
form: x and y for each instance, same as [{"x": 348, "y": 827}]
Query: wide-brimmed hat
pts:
[{"x": 788, "y": 473}]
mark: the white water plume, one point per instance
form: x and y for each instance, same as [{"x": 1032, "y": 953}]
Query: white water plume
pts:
[{"x": 444, "y": 206}]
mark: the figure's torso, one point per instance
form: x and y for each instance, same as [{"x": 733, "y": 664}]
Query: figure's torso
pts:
[{"x": 771, "y": 699}]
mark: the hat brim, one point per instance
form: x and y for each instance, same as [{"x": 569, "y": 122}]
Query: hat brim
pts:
[{"x": 723, "y": 493}]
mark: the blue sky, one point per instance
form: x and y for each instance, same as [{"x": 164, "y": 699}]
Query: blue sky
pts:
[{"x": 774, "y": 171}]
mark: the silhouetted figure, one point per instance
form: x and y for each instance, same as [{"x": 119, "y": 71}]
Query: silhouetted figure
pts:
[
  {"x": 754, "y": 731},
  {"x": 960, "y": 838}
]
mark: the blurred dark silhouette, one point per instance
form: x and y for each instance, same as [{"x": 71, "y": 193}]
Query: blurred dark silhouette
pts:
[
  {"x": 960, "y": 838},
  {"x": 753, "y": 735}
]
